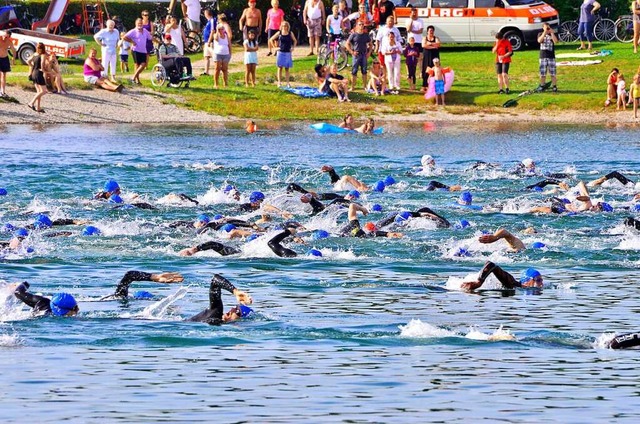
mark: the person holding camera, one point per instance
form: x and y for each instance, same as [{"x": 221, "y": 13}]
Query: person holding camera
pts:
[{"x": 547, "y": 39}]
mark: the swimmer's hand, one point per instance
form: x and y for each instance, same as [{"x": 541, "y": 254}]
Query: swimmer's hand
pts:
[
  {"x": 80, "y": 221},
  {"x": 242, "y": 297},
  {"x": 167, "y": 277},
  {"x": 487, "y": 238},
  {"x": 394, "y": 235},
  {"x": 299, "y": 240},
  {"x": 470, "y": 286},
  {"x": 190, "y": 251}
]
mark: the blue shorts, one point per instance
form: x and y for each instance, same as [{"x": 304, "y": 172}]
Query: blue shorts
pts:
[
  {"x": 439, "y": 86},
  {"x": 359, "y": 61}
]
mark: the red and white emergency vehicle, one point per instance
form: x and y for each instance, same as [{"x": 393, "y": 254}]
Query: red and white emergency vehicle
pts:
[{"x": 469, "y": 21}]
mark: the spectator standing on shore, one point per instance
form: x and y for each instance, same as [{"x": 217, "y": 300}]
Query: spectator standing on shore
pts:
[
  {"x": 382, "y": 38},
  {"x": 222, "y": 52},
  {"x": 431, "y": 50},
  {"x": 146, "y": 24},
  {"x": 392, "y": 53},
  {"x": 6, "y": 46},
  {"x": 177, "y": 35},
  {"x": 138, "y": 37},
  {"x": 191, "y": 10},
  {"x": 313, "y": 16},
  {"x": 250, "y": 59},
  {"x": 251, "y": 19},
  {"x": 360, "y": 47},
  {"x": 286, "y": 42},
  {"x": 635, "y": 12},
  {"x": 411, "y": 56},
  {"x": 207, "y": 50},
  {"x": 36, "y": 74},
  {"x": 547, "y": 40},
  {"x": 275, "y": 15},
  {"x": 108, "y": 38},
  {"x": 125, "y": 48},
  {"x": 344, "y": 10},
  {"x": 588, "y": 10},
  {"x": 387, "y": 8},
  {"x": 503, "y": 51}
]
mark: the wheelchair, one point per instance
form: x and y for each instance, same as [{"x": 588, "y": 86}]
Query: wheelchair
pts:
[{"x": 172, "y": 76}]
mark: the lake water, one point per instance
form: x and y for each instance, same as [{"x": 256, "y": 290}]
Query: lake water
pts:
[{"x": 367, "y": 333}]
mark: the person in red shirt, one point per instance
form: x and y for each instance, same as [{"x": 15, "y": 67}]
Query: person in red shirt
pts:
[{"x": 503, "y": 51}]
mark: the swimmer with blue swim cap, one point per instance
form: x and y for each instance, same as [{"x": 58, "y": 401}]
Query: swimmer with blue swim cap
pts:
[
  {"x": 61, "y": 304},
  {"x": 111, "y": 187},
  {"x": 215, "y": 315},
  {"x": 530, "y": 278},
  {"x": 465, "y": 198}
]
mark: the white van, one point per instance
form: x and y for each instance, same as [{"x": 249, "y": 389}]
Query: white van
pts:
[{"x": 469, "y": 21}]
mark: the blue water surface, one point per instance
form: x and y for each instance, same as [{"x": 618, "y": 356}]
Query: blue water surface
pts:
[{"x": 367, "y": 333}]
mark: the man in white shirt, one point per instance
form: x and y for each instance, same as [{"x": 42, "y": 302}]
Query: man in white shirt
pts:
[
  {"x": 383, "y": 36},
  {"x": 191, "y": 11},
  {"x": 108, "y": 38}
]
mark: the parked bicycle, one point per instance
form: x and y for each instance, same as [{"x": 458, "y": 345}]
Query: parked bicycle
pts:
[
  {"x": 604, "y": 30},
  {"x": 334, "y": 52}
]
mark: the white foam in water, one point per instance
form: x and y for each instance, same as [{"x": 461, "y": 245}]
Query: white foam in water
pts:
[
  {"x": 430, "y": 172},
  {"x": 418, "y": 329},
  {"x": 602, "y": 341},
  {"x": 158, "y": 310},
  {"x": 11, "y": 309},
  {"x": 215, "y": 196},
  {"x": 499, "y": 335},
  {"x": 570, "y": 169},
  {"x": 172, "y": 199},
  {"x": 10, "y": 340},
  {"x": 207, "y": 166}
]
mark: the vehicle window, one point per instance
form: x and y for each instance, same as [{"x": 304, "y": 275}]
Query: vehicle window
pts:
[
  {"x": 449, "y": 3},
  {"x": 417, "y": 3},
  {"x": 489, "y": 3}
]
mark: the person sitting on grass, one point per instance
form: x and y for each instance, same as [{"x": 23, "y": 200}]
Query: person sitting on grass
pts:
[
  {"x": 612, "y": 86},
  {"x": 93, "y": 73},
  {"x": 331, "y": 83},
  {"x": 377, "y": 81},
  {"x": 53, "y": 75}
]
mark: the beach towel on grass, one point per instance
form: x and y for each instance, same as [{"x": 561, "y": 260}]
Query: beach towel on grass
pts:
[
  {"x": 308, "y": 92},
  {"x": 578, "y": 62},
  {"x": 600, "y": 53}
]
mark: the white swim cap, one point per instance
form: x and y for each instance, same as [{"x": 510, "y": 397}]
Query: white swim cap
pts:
[
  {"x": 427, "y": 160},
  {"x": 528, "y": 162}
]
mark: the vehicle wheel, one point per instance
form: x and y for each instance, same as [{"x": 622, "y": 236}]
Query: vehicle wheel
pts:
[
  {"x": 341, "y": 59},
  {"x": 193, "y": 45},
  {"x": 322, "y": 54},
  {"x": 568, "y": 32},
  {"x": 516, "y": 39},
  {"x": 605, "y": 30},
  {"x": 26, "y": 52},
  {"x": 624, "y": 30},
  {"x": 158, "y": 75}
]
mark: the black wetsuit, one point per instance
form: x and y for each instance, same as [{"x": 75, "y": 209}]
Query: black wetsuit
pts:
[
  {"x": 213, "y": 315},
  {"x": 277, "y": 248},
  {"x": 139, "y": 205},
  {"x": 507, "y": 280},
  {"x": 353, "y": 229},
  {"x": 631, "y": 222},
  {"x": 433, "y": 185},
  {"x": 218, "y": 247},
  {"x": 625, "y": 341},
  {"x": 543, "y": 184},
  {"x": 441, "y": 222},
  {"x": 249, "y": 207},
  {"x": 57, "y": 222},
  {"x": 618, "y": 176},
  {"x": 122, "y": 290},
  {"x": 216, "y": 225},
  {"x": 321, "y": 196},
  {"x": 41, "y": 305},
  {"x": 333, "y": 175}
]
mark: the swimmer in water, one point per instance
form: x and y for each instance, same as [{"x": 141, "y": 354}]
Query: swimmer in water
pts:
[
  {"x": 611, "y": 175},
  {"x": 347, "y": 122},
  {"x": 214, "y": 314},
  {"x": 433, "y": 185},
  {"x": 61, "y": 304},
  {"x": 367, "y": 127},
  {"x": 344, "y": 180},
  {"x": 43, "y": 222},
  {"x": 525, "y": 168},
  {"x": 209, "y": 245},
  {"x": 625, "y": 341},
  {"x": 530, "y": 278},
  {"x": 353, "y": 228},
  {"x": 122, "y": 290},
  {"x": 441, "y": 222},
  {"x": 251, "y": 127},
  {"x": 111, "y": 187},
  {"x": 583, "y": 203},
  {"x": 275, "y": 244},
  {"x": 256, "y": 202},
  {"x": 16, "y": 241}
]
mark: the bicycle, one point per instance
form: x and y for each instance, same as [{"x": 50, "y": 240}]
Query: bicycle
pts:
[
  {"x": 334, "y": 51},
  {"x": 624, "y": 28},
  {"x": 193, "y": 42},
  {"x": 603, "y": 30}
]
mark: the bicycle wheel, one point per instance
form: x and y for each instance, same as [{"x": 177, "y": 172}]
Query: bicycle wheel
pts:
[
  {"x": 568, "y": 31},
  {"x": 322, "y": 53},
  {"x": 340, "y": 59},
  {"x": 605, "y": 30},
  {"x": 193, "y": 44},
  {"x": 624, "y": 30}
]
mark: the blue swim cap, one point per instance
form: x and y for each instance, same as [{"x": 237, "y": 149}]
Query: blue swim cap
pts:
[
  {"x": 462, "y": 252},
  {"x": 62, "y": 303},
  {"x": 529, "y": 274},
  {"x": 314, "y": 252},
  {"x": 463, "y": 223},
  {"x": 203, "y": 218},
  {"x": 389, "y": 180},
  {"x": 115, "y": 199},
  {"x": 402, "y": 216},
  {"x": 21, "y": 232},
  {"x": 466, "y": 198},
  {"x": 376, "y": 208},
  {"x": 227, "y": 228},
  {"x": 142, "y": 294},
  {"x": 7, "y": 228},
  {"x": 565, "y": 200},
  {"x": 3, "y": 192},
  {"x": 252, "y": 237},
  {"x": 319, "y": 234},
  {"x": 379, "y": 186},
  {"x": 538, "y": 245},
  {"x": 636, "y": 207},
  {"x": 228, "y": 188},
  {"x": 90, "y": 230},
  {"x": 217, "y": 217},
  {"x": 256, "y": 196},
  {"x": 30, "y": 249},
  {"x": 111, "y": 186},
  {"x": 245, "y": 311},
  {"x": 537, "y": 188},
  {"x": 606, "y": 207},
  {"x": 42, "y": 221},
  {"x": 354, "y": 193}
]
